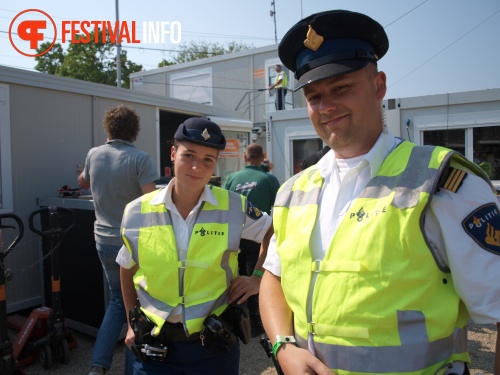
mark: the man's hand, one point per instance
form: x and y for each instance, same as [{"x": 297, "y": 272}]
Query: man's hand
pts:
[
  {"x": 243, "y": 287},
  {"x": 294, "y": 360}
]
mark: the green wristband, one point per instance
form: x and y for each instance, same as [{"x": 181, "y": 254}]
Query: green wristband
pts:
[
  {"x": 281, "y": 340},
  {"x": 258, "y": 273}
]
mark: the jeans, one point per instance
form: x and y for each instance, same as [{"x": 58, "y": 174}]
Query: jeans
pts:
[
  {"x": 247, "y": 259},
  {"x": 191, "y": 358},
  {"x": 111, "y": 326}
]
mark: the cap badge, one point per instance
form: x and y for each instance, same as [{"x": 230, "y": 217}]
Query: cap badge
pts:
[
  {"x": 313, "y": 40},
  {"x": 205, "y": 134}
]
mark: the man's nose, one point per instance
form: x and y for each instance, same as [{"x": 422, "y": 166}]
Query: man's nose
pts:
[{"x": 327, "y": 104}]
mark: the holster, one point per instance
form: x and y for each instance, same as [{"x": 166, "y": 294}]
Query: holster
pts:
[
  {"x": 145, "y": 348},
  {"x": 238, "y": 318}
]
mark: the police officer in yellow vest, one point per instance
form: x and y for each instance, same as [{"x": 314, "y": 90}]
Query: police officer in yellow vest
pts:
[
  {"x": 280, "y": 85},
  {"x": 383, "y": 249},
  {"x": 179, "y": 263}
]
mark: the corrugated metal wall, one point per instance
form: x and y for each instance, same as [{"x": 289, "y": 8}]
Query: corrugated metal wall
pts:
[{"x": 51, "y": 132}]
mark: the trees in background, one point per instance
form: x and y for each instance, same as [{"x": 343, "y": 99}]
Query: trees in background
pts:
[
  {"x": 190, "y": 51},
  {"x": 96, "y": 62}
]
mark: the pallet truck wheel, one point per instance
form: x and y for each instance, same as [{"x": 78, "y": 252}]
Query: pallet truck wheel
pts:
[
  {"x": 46, "y": 357},
  {"x": 63, "y": 351}
]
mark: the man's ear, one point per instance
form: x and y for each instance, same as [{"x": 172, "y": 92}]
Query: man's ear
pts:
[{"x": 381, "y": 82}]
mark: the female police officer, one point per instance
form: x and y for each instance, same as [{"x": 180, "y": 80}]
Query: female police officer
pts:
[{"x": 180, "y": 261}]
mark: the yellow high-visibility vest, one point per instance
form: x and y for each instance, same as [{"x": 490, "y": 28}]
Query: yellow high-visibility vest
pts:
[
  {"x": 380, "y": 304},
  {"x": 211, "y": 264},
  {"x": 284, "y": 81}
]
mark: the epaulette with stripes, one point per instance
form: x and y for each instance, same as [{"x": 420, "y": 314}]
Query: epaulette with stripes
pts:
[{"x": 454, "y": 179}]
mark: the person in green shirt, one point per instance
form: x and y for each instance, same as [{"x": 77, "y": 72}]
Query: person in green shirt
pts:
[{"x": 260, "y": 188}]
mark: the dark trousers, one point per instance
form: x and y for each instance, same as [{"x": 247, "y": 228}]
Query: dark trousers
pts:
[
  {"x": 280, "y": 99},
  {"x": 191, "y": 358},
  {"x": 247, "y": 259}
]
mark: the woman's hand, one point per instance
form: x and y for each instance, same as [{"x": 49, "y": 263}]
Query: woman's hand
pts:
[
  {"x": 243, "y": 287},
  {"x": 129, "y": 338}
]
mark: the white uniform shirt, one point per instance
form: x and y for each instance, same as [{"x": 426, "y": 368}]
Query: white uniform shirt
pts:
[
  {"x": 254, "y": 230},
  {"x": 474, "y": 270}
]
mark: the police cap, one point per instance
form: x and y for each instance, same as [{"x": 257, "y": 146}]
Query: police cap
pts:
[
  {"x": 202, "y": 132},
  {"x": 332, "y": 43}
]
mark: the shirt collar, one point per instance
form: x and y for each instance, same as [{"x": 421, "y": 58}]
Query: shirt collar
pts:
[
  {"x": 251, "y": 166},
  {"x": 386, "y": 142},
  {"x": 165, "y": 196},
  {"x": 121, "y": 141}
]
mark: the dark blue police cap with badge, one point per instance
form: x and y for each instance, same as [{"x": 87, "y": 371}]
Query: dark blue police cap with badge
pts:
[
  {"x": 332, "y": 43},
  {"x": 202, "y": 132}
]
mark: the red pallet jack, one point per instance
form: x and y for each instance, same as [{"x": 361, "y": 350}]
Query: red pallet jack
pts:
[
  {"x": 43, "y": 333},
  {"x": 8, "y": 364}
]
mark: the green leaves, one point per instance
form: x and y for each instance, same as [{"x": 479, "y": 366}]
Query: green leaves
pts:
[
  {"x": 190, "y": 51},
  {"x": 94, "y": 62}
]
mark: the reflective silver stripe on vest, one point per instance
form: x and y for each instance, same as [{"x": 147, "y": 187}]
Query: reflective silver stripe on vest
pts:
[
  {"x": 151, "y": 304},
  {"x": 203, "y": 310},
  {"x": 287, "y": 197},
  {"x": 411, "y": 356},
  {"x": 416, "y": 178}
]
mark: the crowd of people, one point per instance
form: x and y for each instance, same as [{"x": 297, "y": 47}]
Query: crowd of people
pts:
[{"x": 369, "y": 261}]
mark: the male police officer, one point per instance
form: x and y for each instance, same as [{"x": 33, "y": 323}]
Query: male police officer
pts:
[
  {"x": 383, "y": 249},
  {"x": 280, "y": 84}
]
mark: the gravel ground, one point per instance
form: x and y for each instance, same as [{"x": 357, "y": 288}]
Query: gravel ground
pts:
[{"x": 254, "y": 361}]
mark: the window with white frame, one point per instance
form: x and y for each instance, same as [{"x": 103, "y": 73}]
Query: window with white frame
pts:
[
  {"x": 194, "y": 86},
  {"x": 475, "y": 134},
  {"x": 485, "y": 141}
]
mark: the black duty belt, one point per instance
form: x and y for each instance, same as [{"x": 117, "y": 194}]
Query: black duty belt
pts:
[{"x": 175, "y": 332}]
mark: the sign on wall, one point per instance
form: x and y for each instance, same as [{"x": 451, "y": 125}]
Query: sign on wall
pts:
[{"x": 232, "y": 149}]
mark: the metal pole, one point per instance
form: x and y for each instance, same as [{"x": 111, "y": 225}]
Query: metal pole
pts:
[
  {"x": 274, "y": 15},
  {"x": 118, "y": 54}
]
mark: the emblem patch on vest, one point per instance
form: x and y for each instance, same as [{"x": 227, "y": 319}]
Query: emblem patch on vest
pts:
[
  {"x": 483, "y": 225},
  {"x": 253, "y": 212}
]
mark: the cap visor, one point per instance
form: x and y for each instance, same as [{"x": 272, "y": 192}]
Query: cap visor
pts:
[
  {"x": 330, "y": 70},
  {"x": 202, "y": 143}
]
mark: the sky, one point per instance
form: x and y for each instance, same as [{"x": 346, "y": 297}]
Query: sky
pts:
[{"x": 435, "y": 46}]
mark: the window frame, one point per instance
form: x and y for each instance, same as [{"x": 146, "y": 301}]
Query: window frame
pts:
[{"x": 176, "y": 79}]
